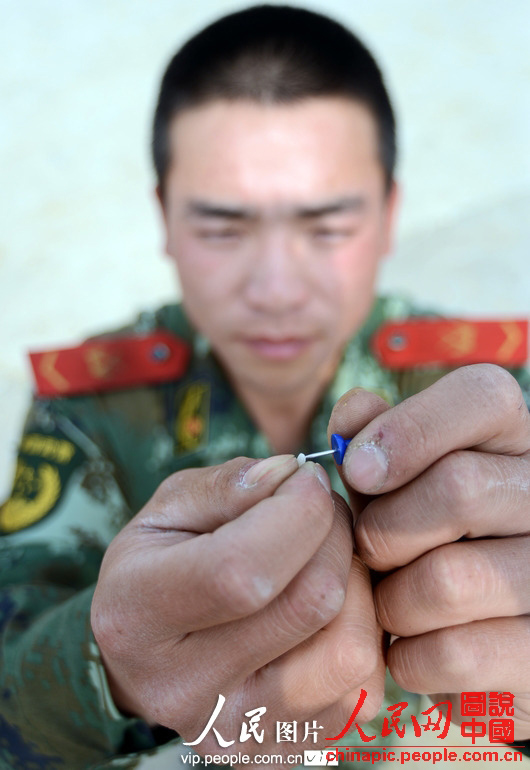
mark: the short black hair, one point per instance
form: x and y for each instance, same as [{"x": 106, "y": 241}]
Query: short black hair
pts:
[{"x": 272, "y": 54}]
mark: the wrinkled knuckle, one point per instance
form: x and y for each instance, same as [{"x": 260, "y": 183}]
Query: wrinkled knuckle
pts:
[
  {"x": 176, "y": 489},
  {"x": 317, "y": 600},
  {"x": 166, "y": 489},
  {"x": 462, "y": 485},
  {"x": 453, "y": 579},
  {"x": 109, "y": 630},
  {"x": 502, "y": 386},
  {"x": 355, "y": 662},
  {"x": 492, "y": 373},
  {"x": 237, "y": 586},
  {"x": 510, "y": 393}
]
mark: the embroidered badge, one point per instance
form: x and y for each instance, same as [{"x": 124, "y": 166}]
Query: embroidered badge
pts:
[
  {"x": 44, "y": 464},
  {"x": 193, "y": 411}
]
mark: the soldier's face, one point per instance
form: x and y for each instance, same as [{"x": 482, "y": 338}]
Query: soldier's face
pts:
[{"x": 277, "y": 218}]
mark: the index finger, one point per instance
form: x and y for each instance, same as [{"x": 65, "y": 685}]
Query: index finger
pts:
[
  {"x": 479, "y": 407},
  {"x": 199, "y": 500}
]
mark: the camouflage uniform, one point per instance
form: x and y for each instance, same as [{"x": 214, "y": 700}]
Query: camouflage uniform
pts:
[{"x": 86, "y": 465}]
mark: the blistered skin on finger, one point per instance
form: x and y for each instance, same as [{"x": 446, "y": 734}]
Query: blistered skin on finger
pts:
[{"x": 457, "y": 412}]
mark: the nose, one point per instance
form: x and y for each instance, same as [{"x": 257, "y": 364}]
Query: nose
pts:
[{"x": 277, "y": 279}]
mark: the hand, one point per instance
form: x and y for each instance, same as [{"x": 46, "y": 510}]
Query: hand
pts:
[
  {"x": 234, "y": 583},
  {"x": 451, "y": 470}
]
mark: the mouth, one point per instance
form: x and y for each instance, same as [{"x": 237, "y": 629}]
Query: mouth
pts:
[{"x": 284, "y": 349}]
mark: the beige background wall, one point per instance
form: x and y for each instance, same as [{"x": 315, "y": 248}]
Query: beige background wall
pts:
[{"x": 79, "y": 240}]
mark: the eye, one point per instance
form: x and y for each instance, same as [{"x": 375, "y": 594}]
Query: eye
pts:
[
  {"x": 220, "y": 235},
  {"x": 331, "y": 234}
]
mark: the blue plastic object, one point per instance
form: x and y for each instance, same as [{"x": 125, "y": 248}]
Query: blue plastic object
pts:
[{"x": 339, "y": 446}]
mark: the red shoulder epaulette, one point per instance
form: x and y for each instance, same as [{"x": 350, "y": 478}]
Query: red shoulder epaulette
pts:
[
  {"x": 424, "y": 342},
  {"x": 110, "y": 364}
]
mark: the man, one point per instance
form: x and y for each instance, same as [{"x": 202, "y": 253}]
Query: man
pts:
[{"x": 274, "y": 147}]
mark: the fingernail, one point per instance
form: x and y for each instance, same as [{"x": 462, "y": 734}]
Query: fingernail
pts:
[
  {"x": 366, "y": 467},
  {"x": 317, "y": 470},
  {"x": 276, "y": 467}
]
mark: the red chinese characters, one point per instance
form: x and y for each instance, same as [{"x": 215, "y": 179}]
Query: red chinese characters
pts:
[{"x": 499, "y": 704}]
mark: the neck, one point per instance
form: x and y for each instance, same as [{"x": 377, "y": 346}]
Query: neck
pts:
[{"x": 283, "y": 418}]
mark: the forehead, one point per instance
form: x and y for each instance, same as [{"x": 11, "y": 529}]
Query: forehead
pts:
[{"x": 274, "y": 152}]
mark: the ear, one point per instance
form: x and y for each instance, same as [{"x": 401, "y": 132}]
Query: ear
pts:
[
  {"x": 162, "y": 209},
  {"x": 393, "y": 201}
]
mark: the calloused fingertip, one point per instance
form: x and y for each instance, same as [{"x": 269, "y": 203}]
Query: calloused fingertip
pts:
[{"x": 276, "y": 468}]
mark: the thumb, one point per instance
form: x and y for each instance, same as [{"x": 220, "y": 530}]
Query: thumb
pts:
[{"x": 352, "y": 412}]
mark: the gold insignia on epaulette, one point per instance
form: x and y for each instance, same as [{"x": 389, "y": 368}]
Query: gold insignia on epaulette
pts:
[
  {"x": 100, "y": 363},
  {"x": 191, "y": 425},
  {"x": 514, "y": 337},
  {"x": 460, "y": 339},
  {"x": 49, "y": 372}
]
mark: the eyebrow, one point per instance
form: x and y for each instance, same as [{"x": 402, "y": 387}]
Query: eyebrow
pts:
[
  {"x": 197, "y": 208},
  {"x": 350, "y": 203},
  {"x": 204, "y": 209}
]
